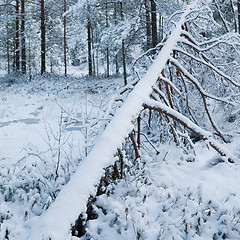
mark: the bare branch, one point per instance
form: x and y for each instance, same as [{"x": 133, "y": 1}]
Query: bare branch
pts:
[
  {"x": 197, "y": 84},
  {"x": 187, "y": 123}
]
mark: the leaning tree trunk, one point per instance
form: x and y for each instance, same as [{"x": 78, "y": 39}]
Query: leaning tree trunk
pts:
[
  {"x": 59, "y": 218},
  {"x": 23, "y": 41},
  {"x": 17, "y": 52},
  {"x": 43, "y": 39}
]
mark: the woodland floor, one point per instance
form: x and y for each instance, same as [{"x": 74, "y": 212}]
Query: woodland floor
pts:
[{"x": 166, "y": 196}]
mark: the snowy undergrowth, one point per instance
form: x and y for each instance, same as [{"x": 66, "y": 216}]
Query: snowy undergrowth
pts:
[
  {"x": 168, "y": 197},
  {"x": 47, "y": 127}
]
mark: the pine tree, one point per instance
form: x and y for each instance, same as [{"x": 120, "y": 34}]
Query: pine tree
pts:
[{"x": 43, "y": 39}]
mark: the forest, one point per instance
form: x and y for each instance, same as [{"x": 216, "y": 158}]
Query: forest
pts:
[{"x": 119, "y": 119}]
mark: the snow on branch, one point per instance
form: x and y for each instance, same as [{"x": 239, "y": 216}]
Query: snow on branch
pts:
[
  {"x": 55, "y": 223},
  {"x": 208, "y": 64},
  {"x": 197, "y": 84},
  {"x": 187, "y": 123},
  {"x": 202, "y": 93}
]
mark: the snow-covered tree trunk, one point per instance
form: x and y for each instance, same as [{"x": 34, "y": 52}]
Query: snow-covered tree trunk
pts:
[{"x": 71, "y": 201}]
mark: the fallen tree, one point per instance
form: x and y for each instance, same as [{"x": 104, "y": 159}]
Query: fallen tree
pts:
[{"x": 56, "y": 223}]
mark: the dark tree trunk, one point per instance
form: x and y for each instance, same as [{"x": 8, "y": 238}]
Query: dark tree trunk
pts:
[
  {"x": 65, "y": 38},
  {"x": 90, "y": 71},
  {"x": 23, "y": 42},
  {"x": 154, "y": 23},
  {"x": 234, "y": 17},
  {"x": 93, "y": 55},
  {"x": 107, "y": 50},
  {"x": 29, "y": 61},
  {"x": 8, "y": 45},
  {"x": 238, "y": 6},
  {"x": 160, "y": 27},
  {"x": 8, "y": 56},
  {"x": 17, "y": 52},
  {"x": 115, "y": 22},
  {"x": 123, "y": 51},
  {"x": 148, "y": 24},
  {"x": 43, "y": 39}
]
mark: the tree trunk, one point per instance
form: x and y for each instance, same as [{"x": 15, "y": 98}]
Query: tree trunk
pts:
[
  {"x": 238, "y": 6},
  {"x": 123, "y": 51},
  {"x": 115, "y": 22},
  {"x": 90, "y": 72},
  {"x": 65, "y": 37},
  {"x": 107, "y": 50},
  {"x": 8, "y": 57},
  {"x": 17, "y": 52},
  {"x": 43, "y": 39},
  {"x": 93, "y": 53},
  {"x": 8, "y": 44},
  {"x": 154, "y": 23},
  {"x": 148, "y": 24},
  {"x": 97, "y": 53},
  {"x": 234, "y": 16},
  {"x": 23, "y": 42},
  {"x": 160, "y": 27},
  {"x": 29, "y": 61}
]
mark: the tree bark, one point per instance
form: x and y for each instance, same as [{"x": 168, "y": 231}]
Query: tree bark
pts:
[
  {"x": 238, "y": 6},
  {"x": 43, "y": 39},
  {"x": 93, "y": 55},
  {"x": 8, "y": 44},
  {"x": 23, "y": 41},
  {"x": 107, "y": 50},
  {"x": 90, "y": 71},
  {"x": 8, "y": 56},
  {"x": 154, "y": 23},
  {"x": 115, "y": 22},
  {"x": 65, "y": 37},
  {"x": 148, "y": 24},
  {"x": 123, "y": 51},
  {"x": 160, "y": 30},
  {"x": 17, "y": 52}
]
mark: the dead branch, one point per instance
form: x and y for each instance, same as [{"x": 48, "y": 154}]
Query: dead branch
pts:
[
  {"x": 187, "y": 102},
  {"x": 209, "y": 65},
  {"x": 187, "y": 123},
  {"x": 137, "y": 155},
  {"x": 202, "y": 93}
]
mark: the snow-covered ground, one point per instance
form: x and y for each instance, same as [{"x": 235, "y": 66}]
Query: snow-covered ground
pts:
[
  {"x": 171, "y": 197},
  {"x": 28, "y": 111},
  {"x": 167, "y": 196},
  {"x": 47, "y": 126}
]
